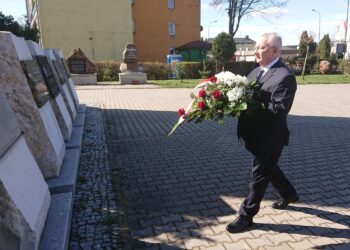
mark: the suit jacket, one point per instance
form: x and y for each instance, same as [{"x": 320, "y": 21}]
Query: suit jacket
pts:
[{"x": 266, "y": 130}]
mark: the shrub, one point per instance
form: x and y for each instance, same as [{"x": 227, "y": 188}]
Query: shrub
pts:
[
  {"x": 192, "y": 69},
  {"x": 316, "y": 69},
  {"x": 325, "y": 67},
  {"x": 344, "y": 66},
  {"x": 156, "y": 70},
  {"x": 107, "y": 71},
  {"x": 205, "y": 72},
  {"x": 180, "y": 72}
]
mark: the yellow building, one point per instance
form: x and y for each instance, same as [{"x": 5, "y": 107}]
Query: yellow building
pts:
[
  {"x": 100, "y": 28},
  {"x": 163, "y": 24}
]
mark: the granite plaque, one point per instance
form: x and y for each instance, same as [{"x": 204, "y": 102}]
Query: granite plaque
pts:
[
  {"x": 36, "y": 82},
  {"x": 9, "y": 129},
  {"x": 60, "y": 71},
  {"x": 77, "y": 66},
  {"x": 48, "y": 75},
  {"x": 129, "y": 54}
]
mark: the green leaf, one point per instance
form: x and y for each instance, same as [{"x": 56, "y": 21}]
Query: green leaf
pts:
[
  {"x": 241, "y": 107},
  {"x": 228, "y": 110}
]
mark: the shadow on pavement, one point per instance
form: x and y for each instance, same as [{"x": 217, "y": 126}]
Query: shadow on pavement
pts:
[{"x": 189, "y": 185}]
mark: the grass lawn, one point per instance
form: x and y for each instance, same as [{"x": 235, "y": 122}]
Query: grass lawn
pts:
[
  {"x": 323, "y": 79},
  {"x": 174, "y": 83},
  {"x": 308, "y": 79}
]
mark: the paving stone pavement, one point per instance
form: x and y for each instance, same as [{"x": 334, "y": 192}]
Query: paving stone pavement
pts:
[
  {"x": 179, "y": 192},
  {"x": 94, "y": 219}
]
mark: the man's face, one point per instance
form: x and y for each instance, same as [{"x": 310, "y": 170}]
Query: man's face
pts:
[{"x": 264, "y": 53}]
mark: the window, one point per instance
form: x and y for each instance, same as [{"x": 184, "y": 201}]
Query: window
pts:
[
  {"x": 171, "y": 28},
  {"x": 171, "y": 4}
]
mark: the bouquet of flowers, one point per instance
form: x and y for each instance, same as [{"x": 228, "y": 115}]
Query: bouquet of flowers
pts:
[{"x": 224, "y": 94}]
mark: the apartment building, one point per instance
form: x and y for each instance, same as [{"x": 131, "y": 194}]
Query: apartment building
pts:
[{"x": 101, "y": 29}]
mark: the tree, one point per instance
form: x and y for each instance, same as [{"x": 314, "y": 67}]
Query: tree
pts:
[
  {"x": 305, "y": 39},
  {"x": 8, "y": 23},
  {"x": 223, "y": 48},
  {"x": 236, "y": 9},
  {"x": 325, "y": 47}
]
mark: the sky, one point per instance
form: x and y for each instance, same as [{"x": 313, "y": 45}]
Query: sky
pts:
[{"x": 289, "y": 21}]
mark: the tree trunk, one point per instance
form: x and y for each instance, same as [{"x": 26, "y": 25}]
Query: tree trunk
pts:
[{"x": 307, "y": 52}]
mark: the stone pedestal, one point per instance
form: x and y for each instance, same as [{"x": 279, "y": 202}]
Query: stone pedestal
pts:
[
  {"x": 84, "y": 79},
  {"x": 25, "y": 197},
  {"x": 46, "y": 146},
  {"x": 132, "y": 78}
]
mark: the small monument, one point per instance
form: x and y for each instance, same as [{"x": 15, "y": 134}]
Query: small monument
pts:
[
  {"x": 39, "y": 125},
  {"x": 38, "y": 75},
  {"x": 51, "y": 77},
  {"x": 60, "y": 58},
  {"x": 25, "y": 197},
  {"x": 82, "y": 70},
  {"x": 132, "y": 72},
  {"x": 67, "y": 96}
]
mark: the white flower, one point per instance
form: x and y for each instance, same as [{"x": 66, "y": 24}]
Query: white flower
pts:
[
  {"x": 227, "y": 77},
  {"x": 234, "y": 94}
]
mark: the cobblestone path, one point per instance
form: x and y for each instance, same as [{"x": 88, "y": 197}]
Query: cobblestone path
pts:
[{"x": 94, "y": 220}]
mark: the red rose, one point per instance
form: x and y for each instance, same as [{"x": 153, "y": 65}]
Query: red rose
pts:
[
  {"x": 216, "y": 94},
  {"x": 202, "y": 93},
  {"x": 201, "y": 105},
  {"x": 213, "y": 79},
  {"x": 181, "y": 112}
]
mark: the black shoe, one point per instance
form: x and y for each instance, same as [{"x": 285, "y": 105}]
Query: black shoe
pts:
[
  {"x": 282, "y": 203},
  {"x": 239, "y": 224}
]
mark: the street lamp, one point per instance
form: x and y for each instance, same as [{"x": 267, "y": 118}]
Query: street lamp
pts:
[
  {"x": 209, "y": 27},
  {"x": 319, "y": 25},
  {"x": 347, "y": 22}
]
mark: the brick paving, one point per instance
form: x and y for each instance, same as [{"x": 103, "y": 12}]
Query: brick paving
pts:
[{"x": 179, "y": 192}]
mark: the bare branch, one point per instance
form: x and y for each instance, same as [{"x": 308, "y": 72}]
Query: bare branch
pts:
[{"x": 237, "y": 9}]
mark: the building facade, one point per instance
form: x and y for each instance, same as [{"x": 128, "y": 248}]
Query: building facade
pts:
[
  {"x": 159, "y": 25},
  {"x": 101, "y": 29}
]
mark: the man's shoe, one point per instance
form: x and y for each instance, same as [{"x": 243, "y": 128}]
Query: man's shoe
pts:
[
  {"x": 239, "y": 224},
  {"x": 282, "y": 203}
]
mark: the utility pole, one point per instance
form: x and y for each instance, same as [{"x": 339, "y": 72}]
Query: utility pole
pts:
[
  {"x": 209, "y": 27},
  {"x": 347, "y": 18},
  {"x": 319, "y": 25}
]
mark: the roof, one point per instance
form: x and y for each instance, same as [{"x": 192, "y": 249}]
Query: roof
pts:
[
  {"x": 243, "y": 40},
  {"x": 238, "y": 40},
  {"x": 198, "y": 44}
]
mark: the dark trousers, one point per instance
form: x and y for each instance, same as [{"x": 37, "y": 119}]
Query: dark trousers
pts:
[{"x": 264, "y": 171}]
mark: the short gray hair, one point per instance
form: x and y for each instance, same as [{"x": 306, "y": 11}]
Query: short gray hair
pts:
[{"x": 273, "y": 39}]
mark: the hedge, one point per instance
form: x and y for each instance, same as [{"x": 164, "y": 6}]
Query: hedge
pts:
[{"x": 109, "y": 70}]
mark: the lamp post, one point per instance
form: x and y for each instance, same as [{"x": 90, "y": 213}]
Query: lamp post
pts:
[
  {"x": 347, "y": 21},
  {"x": 209, "y": 27},
  {"x": 319, "y": 25}
]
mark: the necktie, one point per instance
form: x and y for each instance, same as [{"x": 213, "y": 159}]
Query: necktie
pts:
[{"x": 261, "y": 72}]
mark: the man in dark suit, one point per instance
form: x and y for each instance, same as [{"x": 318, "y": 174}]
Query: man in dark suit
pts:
[{"x": 265, "y": 132}]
